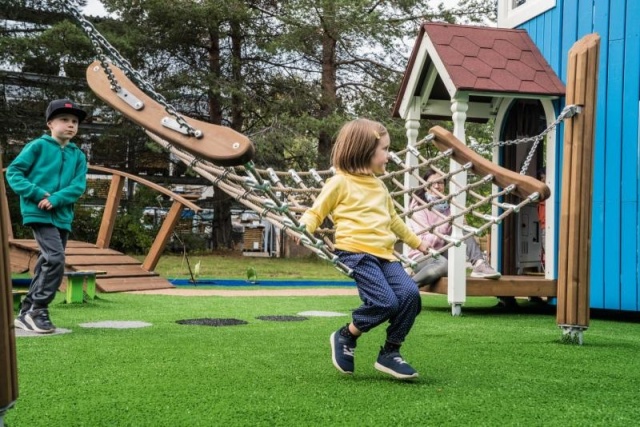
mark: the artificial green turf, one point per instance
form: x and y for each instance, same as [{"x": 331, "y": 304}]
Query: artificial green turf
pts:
[{"x": 483, "y": 368}]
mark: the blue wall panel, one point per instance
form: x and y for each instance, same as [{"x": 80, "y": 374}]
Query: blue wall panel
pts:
[
  {"x": 615, "y": 239},
  {"x": 613, "y": 176},
  {"x": 600, "y": 26},
  {"x": 585, "y": 17},
  {"x": 630, "y": 149}
]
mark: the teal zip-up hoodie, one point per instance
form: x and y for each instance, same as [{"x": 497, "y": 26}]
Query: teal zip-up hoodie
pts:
[{"x": 44, "y": 166}]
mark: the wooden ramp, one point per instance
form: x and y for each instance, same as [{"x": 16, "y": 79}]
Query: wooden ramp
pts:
[
  {"x": 506, "y": 286},
  {"x": 124, "y": 273}
]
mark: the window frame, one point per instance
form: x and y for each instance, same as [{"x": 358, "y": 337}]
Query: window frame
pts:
[{"x": 510, "y": 17}]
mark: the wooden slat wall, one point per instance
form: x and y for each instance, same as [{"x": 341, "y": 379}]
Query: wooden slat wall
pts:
[
  {"x": 615, "y": 232},
  {"x": 575, "y": 213},
  {"x": 8, "y": 365}
]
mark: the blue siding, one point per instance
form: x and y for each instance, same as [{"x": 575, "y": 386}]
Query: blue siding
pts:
[
  {"x": 615, "y": 239},
  {"x": 612, "y": 176},
  {"x": 631, "y": 84},
  {"x": 601, "y": 26}
]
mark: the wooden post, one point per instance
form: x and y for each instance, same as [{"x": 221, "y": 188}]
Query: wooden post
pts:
[
  {"x": 574, "y": 258},
  {"x": 8, "y": 364},
  {"x": 168, "y": 225},
  {"x": 4, "y": 209},
  {"x": 110, "y": 211}
]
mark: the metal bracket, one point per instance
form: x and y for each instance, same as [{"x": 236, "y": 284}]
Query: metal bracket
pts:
[
  {"x": 174, "y": 125},
  {"x": 130, "y": 99}
]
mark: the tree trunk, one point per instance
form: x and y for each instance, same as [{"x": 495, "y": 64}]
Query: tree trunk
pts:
[
  {"x": 328, "y": 99},
  {"x": 221, "y": 225},
  {"x": 237, "y": 106}
]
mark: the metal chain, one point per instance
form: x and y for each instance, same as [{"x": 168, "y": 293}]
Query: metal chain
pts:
[
  {"x": 101, "y": 44},
  {"x": 567, "y": 112}
]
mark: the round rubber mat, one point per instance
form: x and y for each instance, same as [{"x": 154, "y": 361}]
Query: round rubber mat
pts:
[{"x": 212, "y": 322}]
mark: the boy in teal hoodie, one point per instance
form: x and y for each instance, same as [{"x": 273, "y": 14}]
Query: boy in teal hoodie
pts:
[{"x": 49, "y": 175}]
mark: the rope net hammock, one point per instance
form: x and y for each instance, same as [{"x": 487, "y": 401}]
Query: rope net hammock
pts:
[
  {"x": 222, "y": 156},
  {"x": 282, "y": 197}
]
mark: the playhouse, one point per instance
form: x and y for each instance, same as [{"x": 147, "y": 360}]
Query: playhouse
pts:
[{"x": 515, "y": 76}]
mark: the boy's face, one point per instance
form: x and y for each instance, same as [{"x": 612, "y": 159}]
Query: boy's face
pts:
[{"x": 63, "y": 127}]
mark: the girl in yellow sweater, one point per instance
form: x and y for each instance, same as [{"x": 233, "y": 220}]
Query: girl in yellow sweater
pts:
[{"x": 367, "y": 227}]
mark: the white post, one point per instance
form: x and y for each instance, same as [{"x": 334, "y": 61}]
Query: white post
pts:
[
  {"x": 457, "y": 289},
  {"x": 412, "y": 125}
]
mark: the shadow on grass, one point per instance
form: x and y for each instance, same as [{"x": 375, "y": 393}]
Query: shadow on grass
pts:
[
  {"x": 538, "y": 308},
  {"x": 523, "y": 308}
]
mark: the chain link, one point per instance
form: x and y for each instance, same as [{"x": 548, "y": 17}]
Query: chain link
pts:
[
  {"x": 101, "y": 45},
  {"x": 567, "y": 112}
]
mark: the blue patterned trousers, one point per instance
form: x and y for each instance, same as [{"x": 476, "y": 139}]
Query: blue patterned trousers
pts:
[{"x": 387, "y": 293}]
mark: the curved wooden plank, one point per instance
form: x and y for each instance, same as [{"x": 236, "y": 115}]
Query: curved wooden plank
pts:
[
  {"x": 462, "y": 154},
  {"x": 152, "y": 185},
  {"x": 220, "y": 145}
]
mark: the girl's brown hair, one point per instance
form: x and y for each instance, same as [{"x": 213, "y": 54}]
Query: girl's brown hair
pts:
[{"x": 356, "y": 144}]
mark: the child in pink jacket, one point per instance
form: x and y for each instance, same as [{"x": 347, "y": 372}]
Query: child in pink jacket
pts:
[{"x": 431, "y": 270}]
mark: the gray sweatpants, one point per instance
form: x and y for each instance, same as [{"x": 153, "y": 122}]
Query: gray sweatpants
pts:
[
  {"x": 431, "y": 270},
  {"x": 49, "y": 268}
]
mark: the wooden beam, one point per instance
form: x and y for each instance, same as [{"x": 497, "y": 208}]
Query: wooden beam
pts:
[
  {"x": 8, "y": 363},
  {"x": 575, "y": 219},
  {"x": 462, "y": 154},
  {"x": 110, "y": 211},
  {"x": 516, "y": 286},
  {"x": 169, "y": 223}
]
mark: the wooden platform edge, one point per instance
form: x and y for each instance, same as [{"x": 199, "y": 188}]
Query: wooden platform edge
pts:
[{"x": 506, "y": 286}]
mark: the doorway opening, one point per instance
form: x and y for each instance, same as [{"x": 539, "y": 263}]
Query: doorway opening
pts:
[{"x": 523, "y": 233}]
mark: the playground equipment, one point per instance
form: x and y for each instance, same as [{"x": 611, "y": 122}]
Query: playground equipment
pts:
[
  {"x": 256, "y": 188},
  {"x": 8, "y": 364},
  {"x": 577, "y": 177}
]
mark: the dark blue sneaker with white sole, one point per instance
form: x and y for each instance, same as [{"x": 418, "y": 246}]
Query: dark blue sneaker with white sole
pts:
[
  {"x": 38, "y": 319},
  {"x": 21, "y": 323},
  {"x": 342, "y": 352},
  {"x": 393, "y": 364}
]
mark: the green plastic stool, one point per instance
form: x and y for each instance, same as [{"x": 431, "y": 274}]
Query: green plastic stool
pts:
[{"x": 81, "y": 286}]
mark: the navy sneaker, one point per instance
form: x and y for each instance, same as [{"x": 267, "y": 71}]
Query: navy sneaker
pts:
[
  {"x": 393, "y": 364},
  {"x": 342, "y": 351},
  {"x": 21, "y": 323},
  {"x": 38, "y": 319}
]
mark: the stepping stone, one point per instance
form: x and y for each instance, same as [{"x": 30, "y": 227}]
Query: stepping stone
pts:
[
  {"x": 321, "y": 314},
  {"x": 23, "y": 333},
  {"x": 116, "y": 324},
  {"x": 282, "y": 318}
]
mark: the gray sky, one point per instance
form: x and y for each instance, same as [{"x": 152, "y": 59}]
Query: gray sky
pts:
[{"x": 95, "y": 7}]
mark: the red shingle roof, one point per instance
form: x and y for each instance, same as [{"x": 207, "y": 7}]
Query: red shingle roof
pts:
[{"x": 485, "y": 59}]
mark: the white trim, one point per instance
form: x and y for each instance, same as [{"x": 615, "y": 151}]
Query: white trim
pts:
[
  {"x": 497, "y": 128},
  {"x": 457, "y": 289},
  {"x": 442, "y": 70},
  {"x": 552, "y": 182},
  {"x": 412, "y": 84},
  {"x": 510, "y": 16},
  {"x": 477, "y": 110}
]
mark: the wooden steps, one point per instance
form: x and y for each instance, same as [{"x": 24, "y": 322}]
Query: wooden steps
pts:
[
  {"x": 506, "y": 286},
  {"x": 123, "y": 273}
]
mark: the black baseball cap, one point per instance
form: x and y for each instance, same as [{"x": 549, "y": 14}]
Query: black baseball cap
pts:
[{"x": 62, "y": 106}]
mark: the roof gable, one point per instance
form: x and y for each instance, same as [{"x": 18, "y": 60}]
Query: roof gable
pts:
[{"x": 478, "y": 60}]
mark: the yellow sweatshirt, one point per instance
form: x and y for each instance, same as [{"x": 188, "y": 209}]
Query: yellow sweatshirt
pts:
[{"x": 363, "y": 213}]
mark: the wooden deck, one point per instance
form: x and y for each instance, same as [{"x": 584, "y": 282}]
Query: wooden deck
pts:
[
  {"x": 124, "y": 273},
  {"x": 506, "y": 286}
]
